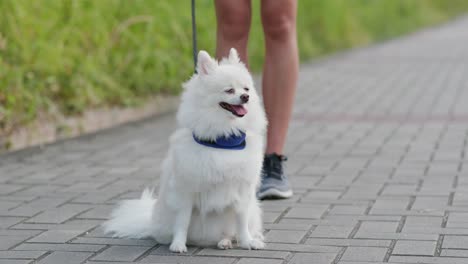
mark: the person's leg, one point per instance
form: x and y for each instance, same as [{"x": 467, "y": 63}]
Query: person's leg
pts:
[
  {"x": 281, "y": 67},
  {"x": 233, "y": 27},
  {"x": 280, "y": 75}
]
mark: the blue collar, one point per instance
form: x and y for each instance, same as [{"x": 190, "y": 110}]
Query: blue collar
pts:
[{"x": 231, "y": 142}]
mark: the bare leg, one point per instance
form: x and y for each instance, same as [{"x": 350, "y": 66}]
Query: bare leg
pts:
[
  {"x": 233, "y": 19},
  {"x": 281, "y": 68}
]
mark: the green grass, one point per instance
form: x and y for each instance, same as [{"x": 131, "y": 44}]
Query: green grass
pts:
[{"x": 70, "y": 55}]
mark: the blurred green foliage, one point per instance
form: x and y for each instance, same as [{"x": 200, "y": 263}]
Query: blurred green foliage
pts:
[{"x": 69, "y": 55}]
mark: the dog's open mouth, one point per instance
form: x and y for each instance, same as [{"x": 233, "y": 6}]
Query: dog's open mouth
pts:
[{"x": 237, "y": 110}]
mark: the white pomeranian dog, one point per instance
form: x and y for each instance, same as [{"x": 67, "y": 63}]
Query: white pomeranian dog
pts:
[{"x": 212, "y": 169}]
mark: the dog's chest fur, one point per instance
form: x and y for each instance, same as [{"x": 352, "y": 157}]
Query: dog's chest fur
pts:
[{"x": 216, "y": 178}]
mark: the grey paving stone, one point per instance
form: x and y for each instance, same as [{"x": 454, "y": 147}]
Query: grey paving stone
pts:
[
  {"x": 98, "y": 212},
  {"x": 337, "y": 181},
  {"x": 364, "y": 254},
  {"x": 378, "y": 226},
  {"x": 97, "y": 232},
  {"x": 55, "y": 236},
  {"x": 332, "y": 231},
  {"x": 14, "y": 261},
  {"x": 307, "y": 258},
  {"x": 427, "y": 203},
  {"x": 65, "y": 257},
  {"x": 294, "y": 221},
  {"x": 422, "y": 212},
  {"x": 323, "y": 195},
  {"x": 458, "y": 216},
  {"x": 38, "y": 190},
  {"x": 302, "y": 248},
  {"x": 15, "y": 254},
  {"x": 244, "y": 253},
  {"x": 399, "y": 190},
  {"x": 299, "y": 182},
  {"x": 10, "y": 188},
  {"x": 272, "y": 207},
  {"x": 352, "y": 219},
  {"x": 187, "y": 259},
  {"x": 398, "y": 236},
  {"x": 75, "y": 225},
  {"x": 109, "y": 262},
  {"x": 7, "y": 242},
  {"x": 59, "y": 215},
  {"x": 330, "y": 220},
  {"x": 312, "y": 212},
  {"x": 454, "y": 253},
  {"x": 435, "y": 230},
  {"x": 121, "y": 253},
  {"x": 259, "y": 261},
  {"x": 348, "y": 209},
  {"x": 423, "y": 221},
  {"x": 427, "y": 260},
  {"x": 59, "y": 247},
  {"x": 455, "y": 242},
  {"x": 361, "y": 262},
  {"x": 285, "y": 226},
  {"x": 18, "y": 198},
  {"x": 285, "y": 236},
  {"x": 457, "y": 225},
  {"x": 115, "y": 241},
  {"x": 271, "y": 217},
  {"x": 348, "y": 242},
  {"x": 97, "y": 198},
  {"x": 36, "y": 206},
  {"x": 420, "y": 248},
  {"x": 6, "y": 205},
  {"x": 6, "y": 222}
]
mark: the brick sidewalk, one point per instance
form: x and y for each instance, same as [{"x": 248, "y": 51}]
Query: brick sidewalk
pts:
[{"x": 377, "y": 159}]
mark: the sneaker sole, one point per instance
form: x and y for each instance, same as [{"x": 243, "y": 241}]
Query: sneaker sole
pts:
[{"x": 274, "y": 193}]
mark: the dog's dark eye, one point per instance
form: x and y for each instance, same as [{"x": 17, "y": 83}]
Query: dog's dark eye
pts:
[
  {"x": 229, "y": 91},
  {"x": 246, "y": 89}
]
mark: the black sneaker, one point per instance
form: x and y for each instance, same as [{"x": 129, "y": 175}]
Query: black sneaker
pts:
[{"x": 275, "y": 184}]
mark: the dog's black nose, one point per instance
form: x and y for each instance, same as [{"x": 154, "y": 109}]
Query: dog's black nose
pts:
[{"x": 244, "y": 98}]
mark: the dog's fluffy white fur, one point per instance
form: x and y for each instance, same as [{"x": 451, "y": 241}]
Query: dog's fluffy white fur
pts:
[{"x": 207, "y": 195}]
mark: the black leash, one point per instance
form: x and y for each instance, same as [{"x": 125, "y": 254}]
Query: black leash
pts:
[{"x": 194, "y": 36}]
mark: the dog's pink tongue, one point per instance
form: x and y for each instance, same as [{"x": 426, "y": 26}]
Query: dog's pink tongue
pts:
[{"x": 239, "y": 109}]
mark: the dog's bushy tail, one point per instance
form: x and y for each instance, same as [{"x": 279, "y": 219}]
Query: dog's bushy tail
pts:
[{"x": 132, "y": 218}]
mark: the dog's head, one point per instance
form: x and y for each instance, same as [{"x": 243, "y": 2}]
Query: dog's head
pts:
[{"x": 221, "y": 98}]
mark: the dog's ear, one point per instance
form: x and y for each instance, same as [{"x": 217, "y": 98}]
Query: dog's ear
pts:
[
  {"x": 205, "y": 64},
  {"x": 233, "y": 56}
]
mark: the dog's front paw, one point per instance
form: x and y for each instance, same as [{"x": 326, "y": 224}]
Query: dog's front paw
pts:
[
  {"x": 252, "y": 244},
  {"x": 259, "y": 236},
  {"x": 225, "y": 243},
  {"x": 178, "y": 247}
]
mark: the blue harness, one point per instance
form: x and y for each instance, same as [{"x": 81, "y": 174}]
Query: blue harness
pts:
[{"x": 232, "y": 142}]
